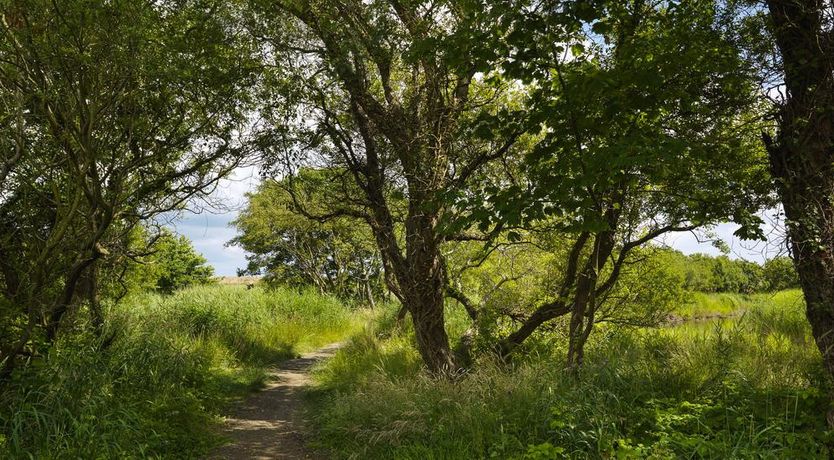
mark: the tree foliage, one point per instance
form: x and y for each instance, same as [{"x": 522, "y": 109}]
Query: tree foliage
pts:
[
  {"x": 338, "y": 256},
  {"x": 172, "y": 264},
  {"x": 645, "y": 122},
  {"x": 117, "y": 111}
]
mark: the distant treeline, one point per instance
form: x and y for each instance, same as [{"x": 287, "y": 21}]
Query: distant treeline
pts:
[{"x": 705, "y": 273}]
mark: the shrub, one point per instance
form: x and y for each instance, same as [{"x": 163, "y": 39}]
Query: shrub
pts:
[
  {"x": 175, "y": 264},
  {"x": 780, "y": 274}
]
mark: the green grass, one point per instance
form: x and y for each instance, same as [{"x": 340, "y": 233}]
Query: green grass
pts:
[
  {"x": 704, "y": 305},
  {"x": 747, "y": 387},
  {"x": 700, "y": 305},
  {"x": 176, "y": 362}
]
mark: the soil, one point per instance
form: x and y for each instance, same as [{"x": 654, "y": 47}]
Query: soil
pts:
[{"x": 270, "y": 424}]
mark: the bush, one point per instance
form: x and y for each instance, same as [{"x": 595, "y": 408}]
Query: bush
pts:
[
  {"x": 703, "y": 273},
  {"x": 175, "y": 264}
]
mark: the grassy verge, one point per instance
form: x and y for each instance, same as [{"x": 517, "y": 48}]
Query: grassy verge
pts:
[
  {"x": 175, "y": 363},
  {"x": 749, "y": 387}
]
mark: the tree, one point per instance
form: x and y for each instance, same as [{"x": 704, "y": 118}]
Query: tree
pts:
[
  {"x": 700, "y": 273},
  {"x": 118, "y": 111},
  {"x": 174, "y": 264},
  {"x": 338, "y": 256},
  {"x": 779, "y": 274},
  {"x": 646, "y": 124},
  {"x": 802, "y": 153},
  {"x": 506, "y": 283},
  {"x": 384, "y": 93}
]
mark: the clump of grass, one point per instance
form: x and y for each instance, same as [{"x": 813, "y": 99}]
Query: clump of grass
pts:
[
  {"x": 176, "y": 361},
  {"x": 723, "y": 389}
]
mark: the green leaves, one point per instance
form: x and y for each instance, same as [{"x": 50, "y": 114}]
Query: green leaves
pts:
[
  {"x": 174, "y": 264},
  {"x": 125, "y": 110},
  {"x": 284, "y": 244},
  {"x": 656, "y": 115}
]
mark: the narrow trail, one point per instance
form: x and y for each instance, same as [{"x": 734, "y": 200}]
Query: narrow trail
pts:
[{"x": 268, "y": 424}]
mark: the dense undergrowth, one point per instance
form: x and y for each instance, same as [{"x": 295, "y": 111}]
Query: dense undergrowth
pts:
[
  {"x": 174, "y": 364},
  {"x": 745, "y": 386}
]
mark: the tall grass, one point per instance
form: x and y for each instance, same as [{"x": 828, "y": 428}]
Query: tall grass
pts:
[
  {"x": 702, "y": 305},
  {"x": 176, "y": 361},
  {"x": 748, "y": 387}
]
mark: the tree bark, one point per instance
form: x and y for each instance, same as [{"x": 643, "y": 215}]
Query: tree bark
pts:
[
  {"x": 425, "y": 295},
  {"x": 584, "y": 305},
  {"x": 802, "y": 158},
  {"x": 426, "y": 307},
  {"x": 96, "y": 314},
  {"x": 369, "y": 293},
  {"x": 64, "y": 302}
]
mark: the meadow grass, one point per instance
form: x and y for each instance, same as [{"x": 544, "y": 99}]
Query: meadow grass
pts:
[
  {"x": 175, "y": 363},
  {"x": 702, "y": 305},
  {"x": 747, "y": 387}
]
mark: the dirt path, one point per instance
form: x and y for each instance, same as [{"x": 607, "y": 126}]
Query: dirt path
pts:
[{"x": 268, "y": 424}]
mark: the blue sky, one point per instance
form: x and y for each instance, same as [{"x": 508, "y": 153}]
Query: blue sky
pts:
[{"x": 210, "y": 229}]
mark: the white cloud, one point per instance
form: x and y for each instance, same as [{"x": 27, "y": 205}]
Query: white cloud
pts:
[
  {"x": 756, "y": 251},
  {"x": 210, "y": 230}
]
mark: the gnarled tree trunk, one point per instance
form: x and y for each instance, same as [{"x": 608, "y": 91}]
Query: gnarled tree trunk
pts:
[
  {"x": 585, "y": 303},
  {"x": 424, "y": 296}
]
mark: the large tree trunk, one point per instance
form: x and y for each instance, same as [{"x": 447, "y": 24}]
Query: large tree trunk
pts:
[
  {"x": 809, "y": 209},
  {"x": 417, "y": 280},
  {"x": 425, "y": 302},
  {"x": 425, "y": 296},
  {"x": 802, "y": 157}
]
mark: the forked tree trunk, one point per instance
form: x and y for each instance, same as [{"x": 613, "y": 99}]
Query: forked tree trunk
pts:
[
  {"x": 585, "y": 303},
  {"x": 417, "y": 280}
]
